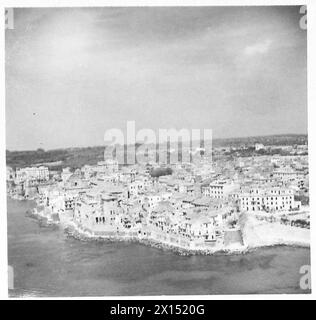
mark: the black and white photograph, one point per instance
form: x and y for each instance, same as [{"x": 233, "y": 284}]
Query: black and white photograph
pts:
[{"x": 156, "y": 151}]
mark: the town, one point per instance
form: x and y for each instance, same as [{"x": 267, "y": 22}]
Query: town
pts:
[{"x": 226, "y": 202}]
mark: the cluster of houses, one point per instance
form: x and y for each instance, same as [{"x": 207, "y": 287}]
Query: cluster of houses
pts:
[{"x": 197, "y": 206}]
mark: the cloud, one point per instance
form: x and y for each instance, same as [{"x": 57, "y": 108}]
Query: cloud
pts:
[
  {"x": 153, "y": 65},
  {"x": 258, "y": 48}
]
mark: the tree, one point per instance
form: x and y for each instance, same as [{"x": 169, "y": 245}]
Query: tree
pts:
[{"x": 156, "y": 173}]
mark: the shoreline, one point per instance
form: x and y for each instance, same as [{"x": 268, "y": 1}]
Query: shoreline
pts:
[
  {"x": 96, "y": 260},
  {"x": 74, "y": 231},
  {"x": 82, "y": 236},
  {"x": 267, "y": 234}
]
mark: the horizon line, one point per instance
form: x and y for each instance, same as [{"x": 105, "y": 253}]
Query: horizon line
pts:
[{"x": 215, "y": 139}]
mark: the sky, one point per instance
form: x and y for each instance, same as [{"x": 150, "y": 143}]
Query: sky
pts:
[{"x": 73, "y": 73}]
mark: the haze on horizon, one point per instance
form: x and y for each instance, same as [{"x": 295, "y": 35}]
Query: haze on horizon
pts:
[{"x": 73, "y": 73}]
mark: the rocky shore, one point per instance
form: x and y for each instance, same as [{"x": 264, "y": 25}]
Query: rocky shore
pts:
[
  {"x": 72, "y": 230},
  {"x": 250, "y": 229},
  {"x": 84, "y": 236}
]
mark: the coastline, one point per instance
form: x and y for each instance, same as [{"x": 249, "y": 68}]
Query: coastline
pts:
[
  {"x": 36, "y": 246},
  {"x": 80, "y": 235},
  {"x": 259, "y": 234},
  {"x": 74, "y": 231}
]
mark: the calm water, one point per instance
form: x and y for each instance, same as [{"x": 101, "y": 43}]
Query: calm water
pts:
[{"x": 48, "y": 263}]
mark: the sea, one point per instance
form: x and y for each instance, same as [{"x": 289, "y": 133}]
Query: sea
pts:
[{"x": 46, "y": 262}]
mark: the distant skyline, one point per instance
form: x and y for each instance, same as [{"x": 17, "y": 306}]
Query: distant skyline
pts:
[{"x": 73, "y": 73}]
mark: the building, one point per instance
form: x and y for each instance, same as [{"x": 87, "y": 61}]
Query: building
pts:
[
  {"x": 259, "y": 146},
  {"x": 288, "y": 174},
  {"x": 268, "y": 200},
  {"x": 219, "y": 189},
  {"x": 38, "y": 174},
  {"x": 107, "y": 166},
  {"x": 66, "y": 174},
  {"x": 10, "y": 174}
]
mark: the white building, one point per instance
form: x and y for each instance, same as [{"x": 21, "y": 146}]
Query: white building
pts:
[
  {"x": 38, "y": 174},
  {"x": 135, "y": 187},
  {"x": 10, "y": 174},
  {"x": 66, "y": 174},
  {"x": 219, "y": 189},
  {"x": 259, "y": 146},
  {"x": 287, "y": 174},
  {"x": 153, "y": 199},
  {"x": 269, "y": 200},
  {"x": 107, "y": 166}
]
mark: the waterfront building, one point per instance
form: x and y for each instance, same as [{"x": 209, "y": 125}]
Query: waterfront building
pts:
[
  {"x": 268, "y": 200},
  {"x": 184, "y": 209}
]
